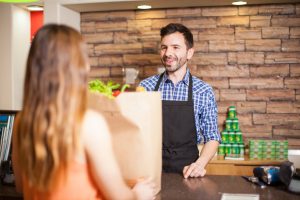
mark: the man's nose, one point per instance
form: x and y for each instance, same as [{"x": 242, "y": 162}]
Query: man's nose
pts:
[{"x": 168, "y": 52}]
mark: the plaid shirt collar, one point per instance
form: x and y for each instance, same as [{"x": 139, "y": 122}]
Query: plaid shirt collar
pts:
[{"x": 185, "y": 79}]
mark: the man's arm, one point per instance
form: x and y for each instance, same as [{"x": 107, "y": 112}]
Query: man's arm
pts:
[
  {"x": 197, "y": 169},
  {"x": 208, "y": 120}
]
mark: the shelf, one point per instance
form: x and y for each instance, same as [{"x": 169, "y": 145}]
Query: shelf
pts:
[
  {"x": 247, "y": 161},
  {"x": 9, "y": 111}
]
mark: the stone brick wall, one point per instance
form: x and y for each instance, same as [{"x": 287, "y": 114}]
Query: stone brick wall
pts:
[{"x": 249, "y": 54}]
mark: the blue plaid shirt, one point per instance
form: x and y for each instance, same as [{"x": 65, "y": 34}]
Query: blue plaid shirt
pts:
[{"x": 205, "y": 106}]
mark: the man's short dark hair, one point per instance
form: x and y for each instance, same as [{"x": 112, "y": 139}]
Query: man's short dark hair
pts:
[{"x": 175, "y": 27}]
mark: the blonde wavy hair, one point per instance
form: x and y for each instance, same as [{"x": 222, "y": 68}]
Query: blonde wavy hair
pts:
[{"x": 55, "y": 100}]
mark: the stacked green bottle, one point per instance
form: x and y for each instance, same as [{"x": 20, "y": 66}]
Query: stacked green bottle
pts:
[
  {"x": 268, "y": 149},
  {"x": 232, "y": 140},
  {"x": 281, "y": 150}
]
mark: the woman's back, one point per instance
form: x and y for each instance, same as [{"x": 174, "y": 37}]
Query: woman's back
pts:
[
  {"x": 77, "y": 182},
  {"x": 55, "y": 129},
  {"x": 77, "y": 185}
]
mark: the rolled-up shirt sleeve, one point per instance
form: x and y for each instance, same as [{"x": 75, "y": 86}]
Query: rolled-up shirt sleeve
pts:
[{"x": 208, "y": 119}]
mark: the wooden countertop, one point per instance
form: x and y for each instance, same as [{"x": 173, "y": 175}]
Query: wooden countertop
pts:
[
  {"x": 211, "y": 187},
  {"x": 9, "y": 193}
]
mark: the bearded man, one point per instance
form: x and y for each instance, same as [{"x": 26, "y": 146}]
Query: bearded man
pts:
[{"x": 190, "y": 113}]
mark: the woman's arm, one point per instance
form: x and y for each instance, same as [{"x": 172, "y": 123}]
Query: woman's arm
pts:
[
  {"x": 15, "y": 161},
  {"x": 101, "y": 158}
]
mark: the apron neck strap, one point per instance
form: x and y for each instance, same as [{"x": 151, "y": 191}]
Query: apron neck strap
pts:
[
  {"x": 159, "y": 81},
  {"x": 190, "y": 91}
]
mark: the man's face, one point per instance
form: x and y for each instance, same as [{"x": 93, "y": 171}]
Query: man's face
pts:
[{"x": 174, "y": 53}]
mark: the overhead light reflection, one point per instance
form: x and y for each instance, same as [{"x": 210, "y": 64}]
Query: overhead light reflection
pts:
[
  {"x": 35, "y": 8},
  {"x": 144, "y": 7},
  {"x": 239, "y": 3}
]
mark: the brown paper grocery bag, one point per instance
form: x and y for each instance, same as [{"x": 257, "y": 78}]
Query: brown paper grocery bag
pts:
[{"x": 135, "y": 122}]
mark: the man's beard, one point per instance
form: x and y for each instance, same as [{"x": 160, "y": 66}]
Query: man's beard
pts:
[{"x": 170, "y": 68}]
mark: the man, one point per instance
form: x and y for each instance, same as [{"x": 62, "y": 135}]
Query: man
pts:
[{"x": 189, "y": 106}]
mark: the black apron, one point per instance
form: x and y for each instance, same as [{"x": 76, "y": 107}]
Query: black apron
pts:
[{"x": 179, "y": 132}]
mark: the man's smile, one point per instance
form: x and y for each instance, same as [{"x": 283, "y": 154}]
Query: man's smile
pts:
[{"x": 169, "y": 60}]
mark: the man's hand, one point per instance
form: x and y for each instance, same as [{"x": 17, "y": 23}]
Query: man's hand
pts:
[
  {"x": 197, "y": 169},
  {"x": 194, "y": 170}
]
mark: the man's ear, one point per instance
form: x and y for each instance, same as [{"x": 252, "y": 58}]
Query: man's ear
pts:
[{"x": 190, "y": 53}]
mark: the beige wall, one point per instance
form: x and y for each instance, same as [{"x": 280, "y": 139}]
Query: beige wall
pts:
[
  {"x": 15, "y": 41},
  {"x": 20, "y": 46},
  {"x": 5, "y": 54},
  {"x": 250, "y": 55},
  {"x": 55, "y": 12}
]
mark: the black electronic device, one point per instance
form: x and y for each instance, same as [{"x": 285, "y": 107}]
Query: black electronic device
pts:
[
  {"x": 290, "y": 176},
  {"x": 268, "y": 174}
]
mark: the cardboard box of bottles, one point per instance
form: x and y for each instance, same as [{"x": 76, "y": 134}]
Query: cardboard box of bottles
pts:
[{"x": 268, "y": 149}]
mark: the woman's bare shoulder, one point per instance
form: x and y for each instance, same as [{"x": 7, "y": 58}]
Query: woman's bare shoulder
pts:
[
  {"x": 93, "y": 117},
  {"x": 94, "y": 126}
]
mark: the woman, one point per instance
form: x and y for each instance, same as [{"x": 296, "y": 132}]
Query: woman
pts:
[{"x": 62, "y": 150}]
